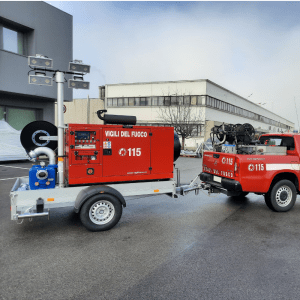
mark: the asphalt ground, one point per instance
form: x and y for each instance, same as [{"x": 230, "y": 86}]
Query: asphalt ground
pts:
[{"x": 193, "y": 247}]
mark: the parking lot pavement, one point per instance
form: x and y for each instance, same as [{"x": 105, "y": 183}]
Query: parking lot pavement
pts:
[{"x": 193, "y": 247}]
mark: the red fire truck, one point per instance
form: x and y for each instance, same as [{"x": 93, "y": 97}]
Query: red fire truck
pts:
[{"x": 269, "y": 166}]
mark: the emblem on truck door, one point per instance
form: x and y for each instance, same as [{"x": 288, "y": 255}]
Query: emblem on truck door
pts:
[
  {"x": 256, "y": 167},
  {"x": 251, "y": 167}
]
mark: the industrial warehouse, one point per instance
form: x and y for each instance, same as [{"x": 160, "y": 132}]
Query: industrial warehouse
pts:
[{"x": 210, "y": 101}]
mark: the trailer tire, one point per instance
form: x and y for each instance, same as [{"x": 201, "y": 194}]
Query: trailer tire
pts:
[
  {"x": 282, "y": 196},
  {"x": 101, "y": 212}
]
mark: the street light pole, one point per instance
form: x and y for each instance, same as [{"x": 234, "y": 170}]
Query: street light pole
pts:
[
  {"x": 60, "y": 125},
  {"x": 40, "y": 65}
]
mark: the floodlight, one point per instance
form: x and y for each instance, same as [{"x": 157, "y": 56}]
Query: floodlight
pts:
[
  {"x": 40, "y": 80},
  {"x": 43, "y": 62},
  {"x": 78, "y": 78},
  {"x": 78, "y": 67},
  {"x": 78, "y": 84},
  {"x": 39, "y": 73}
]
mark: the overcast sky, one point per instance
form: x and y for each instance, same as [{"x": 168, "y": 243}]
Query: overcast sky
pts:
[{"x": 250, "y": 48}]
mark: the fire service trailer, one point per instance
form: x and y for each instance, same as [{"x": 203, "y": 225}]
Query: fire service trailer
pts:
[
  {"x": 91, "y": 167},
  {"x": 100, "y": 165}
]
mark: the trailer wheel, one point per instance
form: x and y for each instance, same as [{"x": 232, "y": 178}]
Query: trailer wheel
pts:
[
  {"x": 101, "y": 212},
  {"x": 282, "y": 196}
]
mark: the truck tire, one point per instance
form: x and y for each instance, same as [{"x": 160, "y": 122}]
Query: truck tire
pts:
[
  {"x": 282, "y": 196},
  {"x": 101, "y": 212}
]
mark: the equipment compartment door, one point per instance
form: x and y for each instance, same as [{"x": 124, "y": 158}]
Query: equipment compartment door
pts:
[{"x": 126, "y": 151}]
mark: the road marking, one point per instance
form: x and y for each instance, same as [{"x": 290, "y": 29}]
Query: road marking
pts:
[
  {"x": 14, "y": 167},
  {"x": 14, "y": 177}
]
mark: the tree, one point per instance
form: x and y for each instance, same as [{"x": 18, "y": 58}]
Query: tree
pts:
[{"x": 183, "y": 117}]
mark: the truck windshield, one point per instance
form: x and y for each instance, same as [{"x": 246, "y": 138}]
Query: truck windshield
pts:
[{"x": 286, "y": 141}]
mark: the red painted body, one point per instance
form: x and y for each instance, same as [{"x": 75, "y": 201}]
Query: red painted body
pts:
[
  {"x": 255, "y": 173},
  {"x": 111, "y": 153}
]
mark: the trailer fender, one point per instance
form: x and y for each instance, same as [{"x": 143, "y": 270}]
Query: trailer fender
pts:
[{"x": 90, "y": 191}]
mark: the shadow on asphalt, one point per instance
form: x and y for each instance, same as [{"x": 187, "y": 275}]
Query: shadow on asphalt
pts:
[
  {"x": 238, "y": 201},
  {"x": 61, "y": 220}
]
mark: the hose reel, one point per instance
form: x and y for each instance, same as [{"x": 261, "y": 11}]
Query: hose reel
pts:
[
  {"x": 32, "y": 132},
  {"x": 238, "y": 134}
]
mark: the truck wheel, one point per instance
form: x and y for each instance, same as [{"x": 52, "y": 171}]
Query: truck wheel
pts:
[
  {"x": 268, "y": 200},
  {"x": 101, "y": 212},
  {"x": 282, "y": 196}
]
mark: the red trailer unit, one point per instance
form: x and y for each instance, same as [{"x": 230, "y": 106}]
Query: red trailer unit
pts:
[{"x": 117, "y": 153}]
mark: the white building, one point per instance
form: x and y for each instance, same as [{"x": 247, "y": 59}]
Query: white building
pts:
[
  {"x": 82, "y": 111},
  {"x": 214, "y": 103}
]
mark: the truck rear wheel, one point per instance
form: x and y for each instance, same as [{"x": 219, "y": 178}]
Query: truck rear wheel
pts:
[
  {"x": 282, "y": 196},
  {"x": 101, "y": 212}
]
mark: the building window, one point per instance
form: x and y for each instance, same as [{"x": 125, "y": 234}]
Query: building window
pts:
[
  {"x": 174, "y": 100},
  {"x": 193, "y": 100},
  {"x": 2, "y": 114},
  {"x": 102, "y": 92},
  {"x": 148, "y": 101},
  {"x": 187, "y": 100},
  {"x": 109, "y": 101},
  {"x": 125, "y": 102},
  {"x": 167, "y": 101},
  {"x": 154, "y": 101},
  {"x": 18, "y": 118},
  {"x": 12, "y": 40},
  {"x": 143, "y": 102},
  {"x": 131, "y": 101},
  {"x": 200, "y": 101},
  {"x": 120, "y": 101},
  {"x": 137, "y": 101},
  {"x": 208, "y": 101},
  {"x": 160, "y": 101}
]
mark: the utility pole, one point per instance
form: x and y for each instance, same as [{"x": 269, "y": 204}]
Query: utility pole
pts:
[{"x": 297, "y": 114}]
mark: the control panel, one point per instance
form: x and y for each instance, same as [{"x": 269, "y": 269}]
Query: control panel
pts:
[{"x": 85, "y": 140}]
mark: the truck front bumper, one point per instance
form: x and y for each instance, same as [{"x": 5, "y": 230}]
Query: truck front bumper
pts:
[{"x": 227, "y": 186}]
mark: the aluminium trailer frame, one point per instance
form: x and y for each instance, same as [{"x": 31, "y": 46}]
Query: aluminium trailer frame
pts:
[{"x": 25, "y": 204}]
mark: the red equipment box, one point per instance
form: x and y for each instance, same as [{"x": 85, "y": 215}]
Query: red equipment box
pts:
[{"x": 117, "y": 153}]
